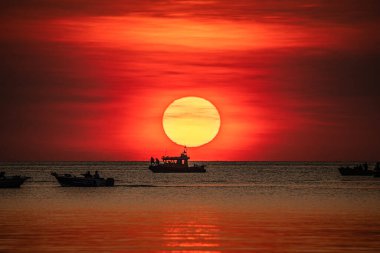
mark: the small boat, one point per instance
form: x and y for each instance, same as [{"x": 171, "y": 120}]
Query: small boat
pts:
[
  {"x": 175, "y": 164},
  {"x": 86, "y": 180},
  {"x": 11, "y": 181},
  {"x": 356, "y": 171}
]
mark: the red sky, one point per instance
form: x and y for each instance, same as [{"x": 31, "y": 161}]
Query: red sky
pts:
[{"x": 90, "y": 80}]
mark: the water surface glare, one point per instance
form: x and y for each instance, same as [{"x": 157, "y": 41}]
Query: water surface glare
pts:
[{"x": 235, "y": 206}]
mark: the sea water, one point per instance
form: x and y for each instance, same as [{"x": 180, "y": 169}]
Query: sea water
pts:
[{"x": 234, "y": 206}]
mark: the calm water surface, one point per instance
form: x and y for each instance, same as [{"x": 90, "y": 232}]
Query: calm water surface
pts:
[{"x": 253, "y": 207}]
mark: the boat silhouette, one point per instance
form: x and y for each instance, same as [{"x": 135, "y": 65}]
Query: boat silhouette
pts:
[
  {"x": 175, "y": 164},
  {"x": 358, "y": 170},
  {"x": 86, "y": 180},
  {"x": 11, "y": 181}
]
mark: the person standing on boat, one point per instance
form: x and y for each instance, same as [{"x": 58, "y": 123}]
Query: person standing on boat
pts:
[
  {"x": 151, "y": 160},
  {"x": 157, "y": 161},
  {"x": 96, "y": 175},
  {"x": 365, "y": 166},
  {"x": 377, "y": 167}
]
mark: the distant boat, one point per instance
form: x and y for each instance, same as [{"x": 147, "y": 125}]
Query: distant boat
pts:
[
  {"x": 356, "y": 171},
  {"x": 11, "y": 181},
  {"x": 86, "y": 180},
  {"x": 175, "y": 164}
]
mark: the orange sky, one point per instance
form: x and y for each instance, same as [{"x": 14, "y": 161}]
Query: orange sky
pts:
[{"x": 291, "y": 80}]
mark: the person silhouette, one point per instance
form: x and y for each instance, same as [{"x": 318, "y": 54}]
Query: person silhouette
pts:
[
  {"x": 365, "y": 166},
  {"x": 377, "y": 167}
]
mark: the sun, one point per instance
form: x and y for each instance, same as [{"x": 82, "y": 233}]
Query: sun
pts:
[{"x": 191, "y": 121}]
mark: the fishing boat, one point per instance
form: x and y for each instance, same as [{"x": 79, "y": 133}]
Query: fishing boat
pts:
[
  {"x": 85, "y": 180},
  {"x": 11, "y": 181},
  {"x": 175, "y": 164},
  {"x": 356, "y": 171}
]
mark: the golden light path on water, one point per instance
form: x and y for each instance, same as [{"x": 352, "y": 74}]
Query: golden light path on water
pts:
[{"x": 191, "y": 121}]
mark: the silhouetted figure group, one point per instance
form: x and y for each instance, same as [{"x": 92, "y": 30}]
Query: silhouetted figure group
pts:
[
  {"x": 362, "y": 167},
  {"x": 88, "y": 175},
  {"x": 154, "y": 161}
]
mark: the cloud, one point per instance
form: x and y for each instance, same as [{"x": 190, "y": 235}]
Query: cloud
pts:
[
  {"x": 79, "y": 76},
  {"x": 293, "y": 11}
]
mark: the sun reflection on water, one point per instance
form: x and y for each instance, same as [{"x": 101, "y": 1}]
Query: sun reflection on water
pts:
[{"x": 192, "y": 236}]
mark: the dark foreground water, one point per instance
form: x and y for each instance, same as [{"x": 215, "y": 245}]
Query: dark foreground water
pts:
[{"x": 253, "y": 207}]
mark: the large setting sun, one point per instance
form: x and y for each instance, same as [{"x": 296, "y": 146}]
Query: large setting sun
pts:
[{"x": 191, "y": 121}]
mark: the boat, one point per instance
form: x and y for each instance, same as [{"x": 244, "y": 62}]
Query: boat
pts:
[
  {"x": 86, "y": 180},
  {"x": 356, "y": 171},
  {"x": 175, "y": 164},
  {"x": 11, "y": 181}
]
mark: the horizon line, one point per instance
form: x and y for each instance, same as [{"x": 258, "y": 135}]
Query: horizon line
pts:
[{"x": 122, "y": 161}]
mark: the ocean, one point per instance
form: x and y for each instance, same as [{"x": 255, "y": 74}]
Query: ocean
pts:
[{"x": 233, "y": 207}]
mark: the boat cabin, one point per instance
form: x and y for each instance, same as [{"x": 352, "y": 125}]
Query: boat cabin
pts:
[{"x": 180, "y": 160}]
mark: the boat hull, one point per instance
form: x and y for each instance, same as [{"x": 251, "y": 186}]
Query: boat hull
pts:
[
  {"x": 346, "y": 171},
  {"x": 72, "y": 181},
  {"x": 12, "y": 181},
  {"x": 162, "y": 168}
]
